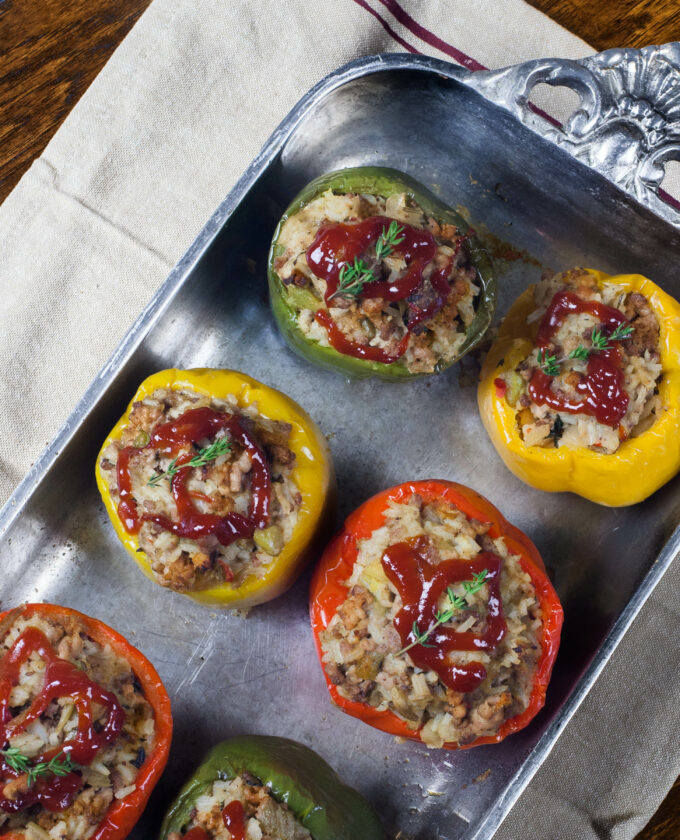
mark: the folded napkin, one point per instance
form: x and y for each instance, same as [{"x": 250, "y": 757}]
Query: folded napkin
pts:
[{"x": 122, "y": 190}]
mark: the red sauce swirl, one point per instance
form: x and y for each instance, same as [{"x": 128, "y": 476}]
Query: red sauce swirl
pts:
[
  {"x": 601, "y": 390},
  {"x": 421, "y": 585},
  {"x": 342, "y": 344},
  {"x": 566, "y": 303},
  {"x": 54, "y": 793},
  {"x": 196, "y": 833},
  {"x": 337, "y": 245},
  {"x": 192, "y": 426},
  {"x": 233, "y": 816}
]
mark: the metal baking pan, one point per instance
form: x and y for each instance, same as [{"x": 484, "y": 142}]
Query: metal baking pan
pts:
[{"x": 462, "y": 135}]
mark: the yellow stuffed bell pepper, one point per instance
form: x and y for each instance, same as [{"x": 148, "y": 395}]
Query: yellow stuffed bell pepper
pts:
[
  {"x": 644, "y": 459},
  {"x": 220, "y": 487}
]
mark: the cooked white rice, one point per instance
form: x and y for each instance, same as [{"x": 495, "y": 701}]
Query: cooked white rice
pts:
[
  {"x": 540, "y": 425},
  {"x": 264, "y": 817},
  {"x": 362, "y": 649},
  {"x": 114, "y": 770},
  {"x": 184, "y": 564},
  {"x": 376, "y": 322}
]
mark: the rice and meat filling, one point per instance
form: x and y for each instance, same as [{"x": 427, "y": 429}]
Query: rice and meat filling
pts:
[
  {"x": 89, "y": 788},
  {"x": 246, "y": 804},
  {"x": 432, "y": 318},
  {"x": 365, "y": 656},
  {"x": 223, "y": 484},
  {"x": 602, "y": 360}
]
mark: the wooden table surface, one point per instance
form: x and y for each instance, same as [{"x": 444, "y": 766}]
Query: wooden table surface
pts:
[{"x": 50, "y": 51}]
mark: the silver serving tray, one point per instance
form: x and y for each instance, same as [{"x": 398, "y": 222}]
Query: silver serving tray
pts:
[{"x": 463, "y": 135}]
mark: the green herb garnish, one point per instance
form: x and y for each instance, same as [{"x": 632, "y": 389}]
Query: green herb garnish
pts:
[
  {"x": 388, "y": 239},
  {"x": 456, "y": 603},
  {"x": 21, "y": 763},
  {"x": 548, "y": 364},
  {"x": 621, "y": 333},
  {"x": 600, "y": 341},
  {"x": 204, "y": 456},
  {"x": 580, "y": 352},
  {"x": 16, "y": 760},
  {"x": 354, "y": 277}
]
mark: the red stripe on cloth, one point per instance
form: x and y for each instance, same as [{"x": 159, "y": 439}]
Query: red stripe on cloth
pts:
[
  {"x": 542, "y": 113},
  {"x": 669, "y": 199},
  {"x": 435, "y": 41},
  {"x": 385, "y": 25},
  {"x": 429, "y": 37}
]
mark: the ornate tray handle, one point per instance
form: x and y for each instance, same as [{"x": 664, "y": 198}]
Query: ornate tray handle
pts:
[{"x": 627, "y": 124}]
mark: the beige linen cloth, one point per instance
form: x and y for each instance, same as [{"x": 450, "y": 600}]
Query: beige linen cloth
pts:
[{"x": 122, "y": 190}]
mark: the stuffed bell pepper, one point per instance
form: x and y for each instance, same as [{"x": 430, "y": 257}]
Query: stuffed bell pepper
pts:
[
  {"x": 581, "y": 389},
  {"x": 218, "y": 486},
  {"x": 270, "y": 788},
  {"x": 434, "y": 618},
  {"x": 86, "y": 727},
  {"x": 372, "y": 275}
]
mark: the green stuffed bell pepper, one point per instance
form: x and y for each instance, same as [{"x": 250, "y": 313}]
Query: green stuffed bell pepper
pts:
[
  {"x": 286, "y": 788},
  {"x": 370, "y": 274}
]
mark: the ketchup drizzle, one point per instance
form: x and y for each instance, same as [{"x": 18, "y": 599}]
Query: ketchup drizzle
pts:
[
  {"x": 234, "y": 819},
  {"x": 342, "y": 344},
  {"x": 55, "y": 793},
  {"x": 421, "y": 584},
  {"x": 336, "y": 245},
  {"x": 602, "y": 387},
  {"x": 196, "y": 833},
  {"x": 193, "y": 425}
]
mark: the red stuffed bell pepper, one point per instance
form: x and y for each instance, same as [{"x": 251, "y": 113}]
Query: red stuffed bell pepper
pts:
[
  {"x": 86, "y": 727},
  {"x": 434, "y": 618}
]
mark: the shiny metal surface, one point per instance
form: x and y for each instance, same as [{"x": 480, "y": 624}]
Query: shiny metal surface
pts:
[
  {"x": 229, "y": 675},
  {"x": 627, "y": 124}
]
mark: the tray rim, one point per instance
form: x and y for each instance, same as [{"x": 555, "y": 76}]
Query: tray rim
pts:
[{"x": 170, "y": 287}]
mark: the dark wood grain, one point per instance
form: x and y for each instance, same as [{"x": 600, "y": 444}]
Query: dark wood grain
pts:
[
  {"x": 50, "y": 51},
  {"x": 616, "y": 23}
]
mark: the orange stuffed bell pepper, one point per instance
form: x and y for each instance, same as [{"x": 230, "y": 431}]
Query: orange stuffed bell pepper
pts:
[
  {"x": 86, "y": 725},
  {"x": 434, "y": 618},
  {"x": 581, "y": 389},
  {"x": 219, "y": 486}
]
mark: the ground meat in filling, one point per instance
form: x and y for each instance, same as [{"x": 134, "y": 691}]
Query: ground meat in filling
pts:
[
  {"x": 111, "y": 774},
  {"x": 263, "y": 817},
  {"x": 373, "y": 321},
  {"x": 221, "y": 486},
  {"x": 543, "y": 425},
  {"x": 363, "y": 653}
]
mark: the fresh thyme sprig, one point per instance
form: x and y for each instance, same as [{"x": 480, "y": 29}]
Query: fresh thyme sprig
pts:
[
  {"x": 548, "y": 364},
  {"x": 354, "y": 277},
  {"x": 57, "y": 766},
  {"x": 621, "y": 333},
  {"x": 456, "y": 603},
  {"x": 388, "y": 239},
  {"x": 16, "y": 760},
  {"x": 580, "y": 352},
  {"x": 204, "y": 456},
  {"x": 600, "y": 341}
]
